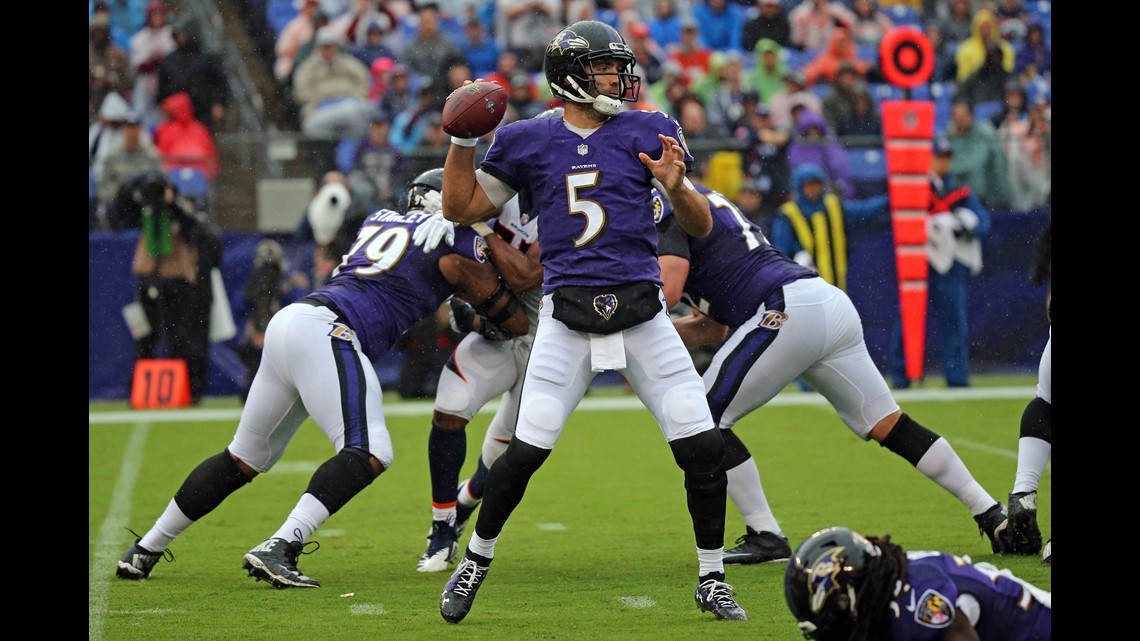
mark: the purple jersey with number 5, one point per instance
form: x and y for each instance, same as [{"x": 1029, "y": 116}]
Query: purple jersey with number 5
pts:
[
  {"x": 925, "y": 606},
  {"x": 385, "y": 283},
  {"x": 592, "y": 194}
]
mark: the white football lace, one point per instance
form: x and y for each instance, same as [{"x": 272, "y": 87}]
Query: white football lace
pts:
[{"x": 469, "y": 576}]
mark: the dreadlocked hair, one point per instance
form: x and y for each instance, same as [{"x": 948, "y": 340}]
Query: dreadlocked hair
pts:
[{"x": 883, "y": 573}]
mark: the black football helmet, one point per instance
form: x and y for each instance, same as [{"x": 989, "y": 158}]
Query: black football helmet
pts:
[
  {"x": 430, "y": 180},
  {"x": 567, "y": 65},
  {"x": 822, "y": 580}
]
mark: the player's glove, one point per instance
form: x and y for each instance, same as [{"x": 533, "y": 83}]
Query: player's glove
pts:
[
  {"x": 464, "y": 318},
  {"x": 967, "y": 220},
  {"x": 433, "y": 230}
]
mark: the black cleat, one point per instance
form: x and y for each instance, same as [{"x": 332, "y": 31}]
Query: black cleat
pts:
[
  {"x": 759, "y": 547},
  {"x": 716, "y": 597},
  {"x": 459, "y": 593},
  {"x": 993, "y": 523},
  {"x": 275, "y": 561},
  {"x": 137, "y": 562},
  {"x": 1022, "y": 534}
]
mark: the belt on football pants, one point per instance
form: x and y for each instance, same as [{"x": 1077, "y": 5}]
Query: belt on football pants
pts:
[{"x": 320, "y": 300}]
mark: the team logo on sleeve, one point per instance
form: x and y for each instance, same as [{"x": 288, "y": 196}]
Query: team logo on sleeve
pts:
[
  {"x": 480, "y": 249},
  {"x": 658, "y": 207},
  {"x": 681, "y": 139},
  {"x": 934, "y": 610},
  {"x": 605, "y": 305},
  {"x": 340, "y": 331}
]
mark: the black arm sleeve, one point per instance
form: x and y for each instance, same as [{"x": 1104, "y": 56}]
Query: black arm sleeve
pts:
[{"x": 672, "y": 239}]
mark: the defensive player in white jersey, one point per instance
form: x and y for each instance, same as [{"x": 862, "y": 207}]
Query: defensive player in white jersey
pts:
[
  {"x": 590, "y": 174},
  {"x": 319, "y": 361},
  {"x": 779, "y": 320},
  {"x": 484, "y": 366}
]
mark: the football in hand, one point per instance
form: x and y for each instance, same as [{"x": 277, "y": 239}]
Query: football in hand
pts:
[{"x": 474, "y": 109}]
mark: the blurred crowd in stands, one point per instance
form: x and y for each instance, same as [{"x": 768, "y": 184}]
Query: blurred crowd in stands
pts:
[
  {"x": 764, "y": 77},
  {"x": 373, "y": 74},
  {"x": 156, "y": 98}
]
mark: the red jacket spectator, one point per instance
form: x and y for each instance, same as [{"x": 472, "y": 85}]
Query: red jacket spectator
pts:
[
  {"x": 182, "y": 141},
  {"x": 840, "y": 48}
]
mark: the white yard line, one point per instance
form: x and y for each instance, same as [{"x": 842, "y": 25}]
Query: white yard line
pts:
[
  {"x": 108, "y": 545},
  {"x": 589, "y": 403}
]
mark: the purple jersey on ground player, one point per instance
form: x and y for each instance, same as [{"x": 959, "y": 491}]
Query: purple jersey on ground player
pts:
[
  {"x": 385, "y": 284},
  {"x": 935, "y": 580},
  {"x": 734, "y": 269},
  {"x": 584, "y": 190}
]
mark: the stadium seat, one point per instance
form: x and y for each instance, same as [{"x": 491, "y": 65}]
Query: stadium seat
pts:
[
  {"x": 278, "y": 13},
  {"x": 942, "y": 90},
  {"x": 868, "y": 53},
  {"x": 1038, "y": 86},
  {"x": 345, "y": 150},
  {"x": 868, "y": 171},
  {"x": 941, "y": 115},
  {"x": 867, "y": 162},
  {"x": 904, "y": 15},
  {"x": 881, "y": 91},
  {"x": 1041, "y": 8},
  {"x": 798, "y": 59},
  {"x": 988, "y": 109},
  {"x": 190, "y": 182}
]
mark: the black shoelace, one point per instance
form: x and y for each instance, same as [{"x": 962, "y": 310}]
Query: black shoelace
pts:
[{"x": 166, "y": 554}]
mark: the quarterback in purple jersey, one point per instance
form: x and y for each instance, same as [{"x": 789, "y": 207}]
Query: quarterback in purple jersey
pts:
[
  {"x": 318, "y": 362},
  {"x": 842, "y": 586},
  {"x": 590, "y": 172},
  {"x": 780, "y": 321}
]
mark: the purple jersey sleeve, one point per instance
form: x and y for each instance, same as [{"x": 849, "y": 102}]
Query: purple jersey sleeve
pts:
[
  {"x": 592, "y": 195},
  {"x": 935, "y": 580},
  {"x": 385, "y": 284},
  {"x": 734, "y": 269}
]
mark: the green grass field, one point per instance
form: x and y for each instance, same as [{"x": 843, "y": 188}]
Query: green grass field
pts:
[{"x": 600, "y": 548}]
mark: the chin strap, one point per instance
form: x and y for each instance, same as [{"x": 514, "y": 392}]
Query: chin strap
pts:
[{"x": 603, "y": 104}]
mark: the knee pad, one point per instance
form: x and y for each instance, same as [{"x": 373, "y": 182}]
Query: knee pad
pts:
[
  {"x": 341, "y": 477},
  {"x": 492, "y": 450},
  {"x": 701, "y": 456},
  {"x": 209, "y": 484},
  {"x": 545, "y": 414},
  {"x": 735, "y": 452},
  {"x": 452, "y": 399},
  {"x": 685, "y": 404},
  {"x": 909, "y": 439},
  {"x": 525, "y": 459},
  {"x": 1037, "y": 420}
]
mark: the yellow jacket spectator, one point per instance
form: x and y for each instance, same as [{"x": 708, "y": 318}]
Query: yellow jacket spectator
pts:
[
  {"x": 972, "y": 51},
  {"x": 811, "y": 226}
]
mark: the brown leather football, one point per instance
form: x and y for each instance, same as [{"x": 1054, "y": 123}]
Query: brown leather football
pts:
[{"x": 474, "y": 109}]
